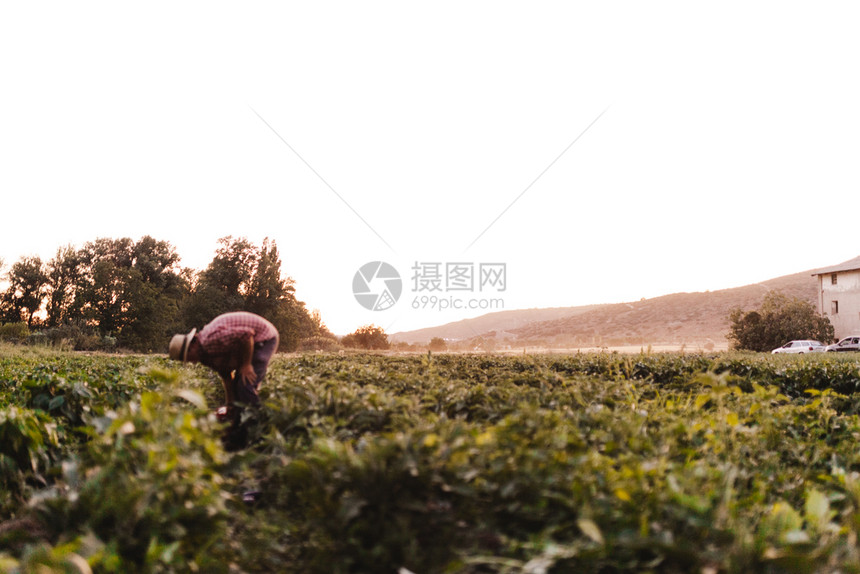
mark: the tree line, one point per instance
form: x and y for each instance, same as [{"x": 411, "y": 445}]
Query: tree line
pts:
[{"x": 135, "y": 294}]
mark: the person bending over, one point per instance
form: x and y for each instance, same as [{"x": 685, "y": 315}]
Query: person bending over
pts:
[{"x": 238, "y": 346}]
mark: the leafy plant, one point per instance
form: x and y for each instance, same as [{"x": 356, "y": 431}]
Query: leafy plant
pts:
[{"x": 600, "y": 462}]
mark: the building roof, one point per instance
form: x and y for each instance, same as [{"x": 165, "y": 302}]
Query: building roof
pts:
[{"x": 849, "y": 265}]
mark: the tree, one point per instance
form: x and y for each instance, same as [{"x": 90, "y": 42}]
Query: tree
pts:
[
  {"x": 368, "y": 337},
  {"x": 318, "y": 327},
  {"x": 437, "y": 344},
  {"x": 779, "y": 319},
  {"x": 64, "y": 273},
  {"x": 130, "y": 290},
  {"x": 266, "y": 289},
  {"x": 243, "y": 277},
  {"x": 26, "y": 292},
  {"x": 138, "y": 293},
  {"x": 222, "y": 286},
  {"x": 154, "y": 293},
  {"x": 104, "y": 283}
]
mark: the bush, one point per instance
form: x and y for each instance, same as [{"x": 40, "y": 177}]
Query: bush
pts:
[
  {"x": 437, "y": 344},
  {"x": 404, "y": 346},
  {"x": 779, "y": 319},
  {"x": 14, "y": 332},
  {"x": 369, "y": 337},
  {"x": 320, "y": 343},
  {"x": 25, "y": 438},
  {"x": 434, "y": 463},
  {"x": 77, "y": 337},
  {"x": 152, "y": 492}
]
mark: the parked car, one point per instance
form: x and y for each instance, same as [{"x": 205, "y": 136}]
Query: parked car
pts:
[
  {"x": 851, "y": 343},
  {"x": 803, "y": 346}
]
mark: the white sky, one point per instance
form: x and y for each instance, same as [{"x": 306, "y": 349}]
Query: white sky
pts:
[{"x": 727, "y": 153}]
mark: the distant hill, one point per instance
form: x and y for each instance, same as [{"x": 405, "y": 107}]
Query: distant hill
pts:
[
  {"x": 499, "y": 321},
  {"x": 679, "y": 318}
]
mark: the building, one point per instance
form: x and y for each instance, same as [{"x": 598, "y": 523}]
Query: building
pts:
[{"x": 839, "y": 296}]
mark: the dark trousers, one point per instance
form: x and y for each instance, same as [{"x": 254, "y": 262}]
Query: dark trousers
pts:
[
  {"x": 236, "y": 435},
  {"x": 263, "y": 352}
]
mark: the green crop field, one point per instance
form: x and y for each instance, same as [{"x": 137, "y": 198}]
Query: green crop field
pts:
[{"x": 434, "y": 464}]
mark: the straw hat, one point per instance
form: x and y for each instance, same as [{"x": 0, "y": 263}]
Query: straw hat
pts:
[{"x": 179, "y": 346}]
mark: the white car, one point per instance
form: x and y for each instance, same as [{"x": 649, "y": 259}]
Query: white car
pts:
[
  {"x": 805, "y": 346},
  {"x": 851, "y": 343}
]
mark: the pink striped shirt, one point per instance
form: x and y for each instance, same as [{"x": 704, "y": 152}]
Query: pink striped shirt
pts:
[{"x": 224, "y": 331}]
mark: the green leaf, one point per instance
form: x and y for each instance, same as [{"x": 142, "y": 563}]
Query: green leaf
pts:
[
  {"x": 622, "y": 494},
  {"x": 590, "y": 529},
  {"x": 817, "y": 509},
  {"x": 192, "y": 397}
]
